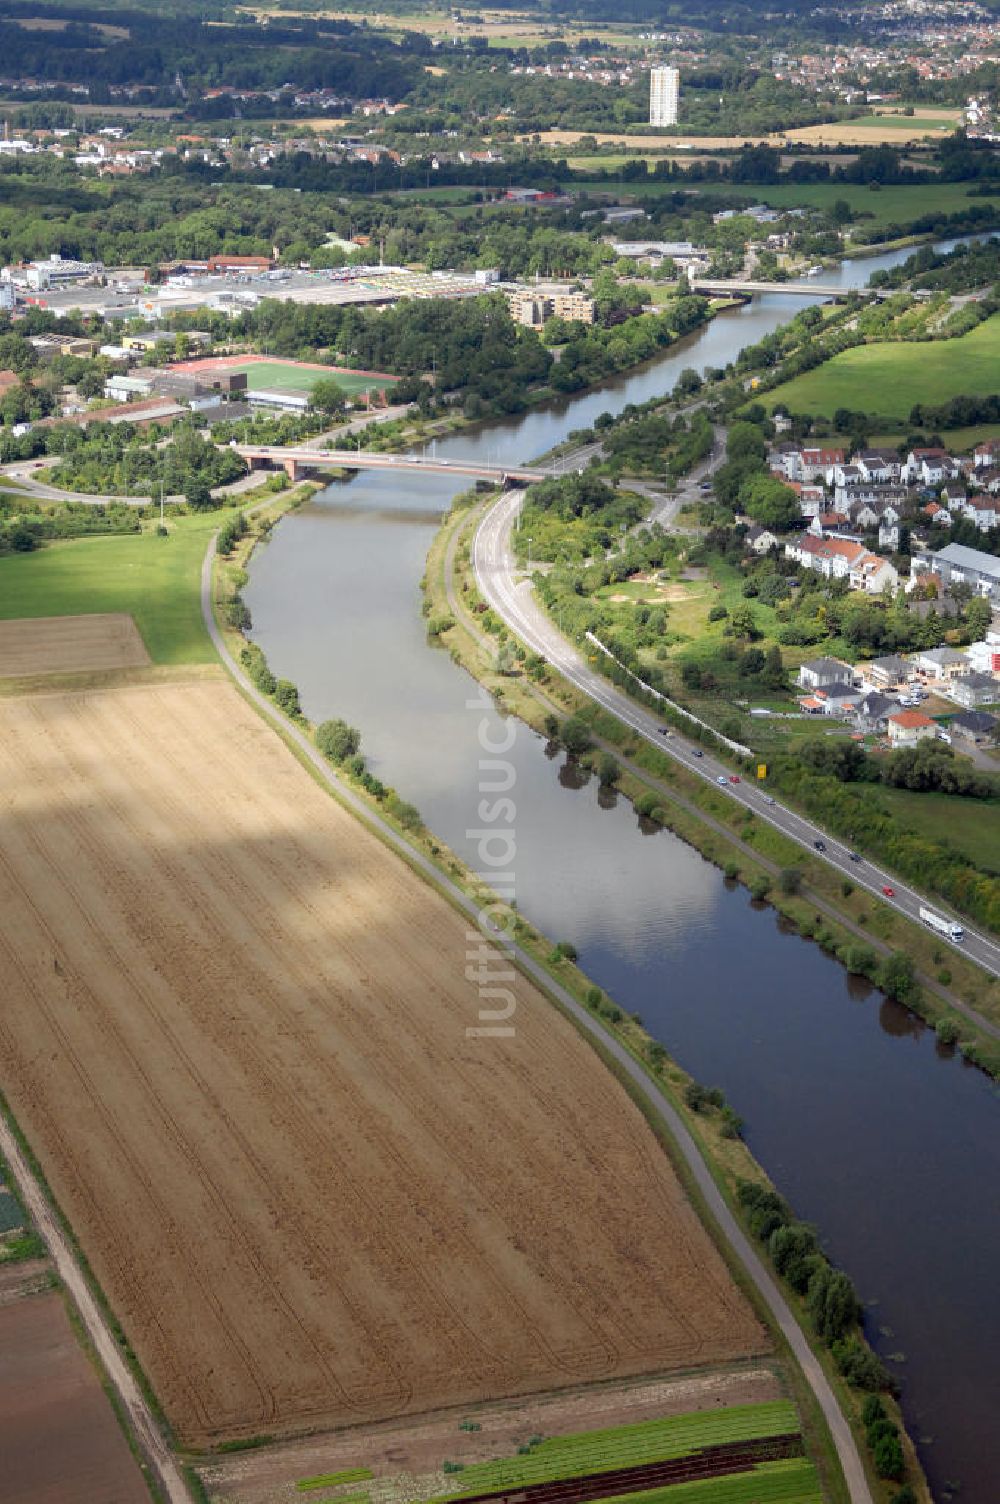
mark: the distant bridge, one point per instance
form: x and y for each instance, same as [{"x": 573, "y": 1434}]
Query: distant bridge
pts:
[
  {"x": 296, "y": 461},
  {"x": 806, "y": 289}
]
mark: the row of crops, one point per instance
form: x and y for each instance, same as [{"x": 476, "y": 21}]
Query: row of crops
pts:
[
  {"x": 791, "y": 1481},
  {"x": 592, "y": 1452}
]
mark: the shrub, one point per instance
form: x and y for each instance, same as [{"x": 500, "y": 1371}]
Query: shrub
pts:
[
  {"x": 287, "y": 696},
  {"x": 567, "y": 949},
  {"x": 888, "y": 1455},
  {"x": 760, "y": 887},
  {"x": 575, "y": 734},
  {"x": 407, "y": 814},
  {"x": 337, "y": 740},
  {"x": 790, "y": 879},
  {"x": 872, "y": 1410},
  {"x": 608, "y": 770},
  {"x": 594, "y": 997},
  {"x": 238, "y": 614},
  {"x": 946, "y": 1030},
  {"x": 860, "y": 1366}
]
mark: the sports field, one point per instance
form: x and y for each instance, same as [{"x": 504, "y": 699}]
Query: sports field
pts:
[
  {"x": 887, "y": 379},
  {"x": 265, "y": 374},
  {"x": 233, "y": 1028}
]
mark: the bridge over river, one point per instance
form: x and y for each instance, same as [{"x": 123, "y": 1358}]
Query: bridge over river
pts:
[{"x": 297, "y": 459}]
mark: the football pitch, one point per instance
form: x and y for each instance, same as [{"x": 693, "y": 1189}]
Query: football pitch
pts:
[{"x": 288, "y": 375}]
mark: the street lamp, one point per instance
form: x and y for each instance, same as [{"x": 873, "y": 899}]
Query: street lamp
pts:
[{"x": 529, "y": 555}]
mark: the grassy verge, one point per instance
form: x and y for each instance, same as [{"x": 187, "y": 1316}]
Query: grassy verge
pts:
[{"x": 153, "y": 579}]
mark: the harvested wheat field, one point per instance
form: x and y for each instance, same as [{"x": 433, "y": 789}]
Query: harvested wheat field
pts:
[
  {"x": 233, "y": 1027},
  {"x": 69, "y": 645}
]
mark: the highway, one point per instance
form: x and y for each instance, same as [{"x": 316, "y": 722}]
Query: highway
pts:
[{"x": 513, "y": 600}]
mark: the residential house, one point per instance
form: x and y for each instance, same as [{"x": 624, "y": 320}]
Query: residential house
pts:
[
  {"x": 938, "y": 514},
  {"x": 888, "y": 535},
  {"x": 942, "y": 664},
  {"x": 818, "y": 464},
  {"x": 986, "y": 455},
  {"x": 832, "y": 524},
  {"x": 954, "y": 495},
  {"x": 887, "y": 672},
  {"x": 985, "y": 656},
  {"x": 822, "y": 673},
  {"x": 760, "y": 540},
  {"x": 974, "y": 726},
  {"x": 983, "y": 510},
  {"x": 880, "y": 466},
  {"x": 843, "y": 558},
  {"x": 955, "y": 563},
  {"x": 973, "y": 690},
  {"x": 908, "y": 727},
  {"x": 930, "y": 467},
  {"x": 872, "y": 711},
  {"x": 839, "y": 700},
  {"x": 812, "y": 499}
]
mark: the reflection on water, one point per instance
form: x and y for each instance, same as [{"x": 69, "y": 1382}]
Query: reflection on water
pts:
[{"x": 885, "y": 1139}]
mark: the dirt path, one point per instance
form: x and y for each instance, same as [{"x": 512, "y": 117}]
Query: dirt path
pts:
[{"x": 150, "y": 1438}]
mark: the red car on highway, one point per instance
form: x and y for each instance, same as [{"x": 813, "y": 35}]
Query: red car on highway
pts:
[{"x": 889, "y": 892}]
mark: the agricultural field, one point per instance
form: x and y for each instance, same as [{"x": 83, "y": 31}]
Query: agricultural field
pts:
[
  {"x": 596, "y": 1452},
  {"x": 264, "y": 374},
  {"x": 152, "y": 579},
  {"x": 895, "y": 204},
  {"x": 234, "y": 1031},
  {"x": 403, "y": 1460},
  {"x": 68, "y": 645},
  {"x": 886, "y": 379},
  {"x": 60, "y": 1442}
]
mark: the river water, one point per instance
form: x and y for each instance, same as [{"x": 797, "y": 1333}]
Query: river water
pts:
[{"x": 887, "y": 1142}]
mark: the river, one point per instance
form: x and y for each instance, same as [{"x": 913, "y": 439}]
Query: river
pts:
[{"x": 883, "y": 1139}]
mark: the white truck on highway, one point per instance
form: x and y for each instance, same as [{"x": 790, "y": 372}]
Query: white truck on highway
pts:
[{"x": 943, "y": 926}]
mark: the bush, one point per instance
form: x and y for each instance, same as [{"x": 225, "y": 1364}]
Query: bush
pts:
[
  {"x": 575, "y": 735},
  {"x": 567, "y": 950},
  {"x": 238, "y": 614},
  {"x": 594, "y": 997},
  {"x": 946, "y": 1030},
  {"x": 718, "y": 613},
  {"x": 888, "y": 1455},
  {"x": 286, "y": 696},
  {"x": 337, "y": 740},
  {"x": 859, "y": 1365},
  {"x": 790, "y": 879},
  {"x": 608, "y": 770},
  {"x": 407, "y": 814},
  {"x": 760, "y": 887},
  {"x": 872, "y": 1410}
]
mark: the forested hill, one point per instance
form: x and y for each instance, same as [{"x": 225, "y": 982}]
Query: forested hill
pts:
[{"x": 130, "y": 46}]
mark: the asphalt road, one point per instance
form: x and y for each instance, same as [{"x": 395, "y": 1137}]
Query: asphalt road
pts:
[
  {"x": 728, "y": 1227},
  {"x": 513, "y": 600}
]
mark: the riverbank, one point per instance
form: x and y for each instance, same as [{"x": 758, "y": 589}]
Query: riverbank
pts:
[{"x": 610, "y": 1030}]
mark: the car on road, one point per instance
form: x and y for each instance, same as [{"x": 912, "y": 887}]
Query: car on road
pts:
[
  {"x": 697, "y": 752},
  {"x": 734, "y": 778},
  {"x": 889, "y": 892},
  {"x": 855, "y": 856},
  {"x": 769, "y": 799},
  {"x": 664, "y": 730},
  {"x": 706, "y": 485},
  {"x": 820, "y": 845},
  {"x": 721, "y": 779}
]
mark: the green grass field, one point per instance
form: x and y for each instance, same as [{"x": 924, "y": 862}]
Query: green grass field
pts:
[
  {"x": 263, "y": 375},
  {"x": 156, "y": 580},
  {"x": 886, "y": 379},
  {"x": 970, "y": 825},
  {"x": 895, "y": 204},
  {"x": 627, "y": 1446}
]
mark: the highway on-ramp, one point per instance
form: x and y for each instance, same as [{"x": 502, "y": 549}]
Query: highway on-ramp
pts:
[{"x": 513, "y": 600}]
